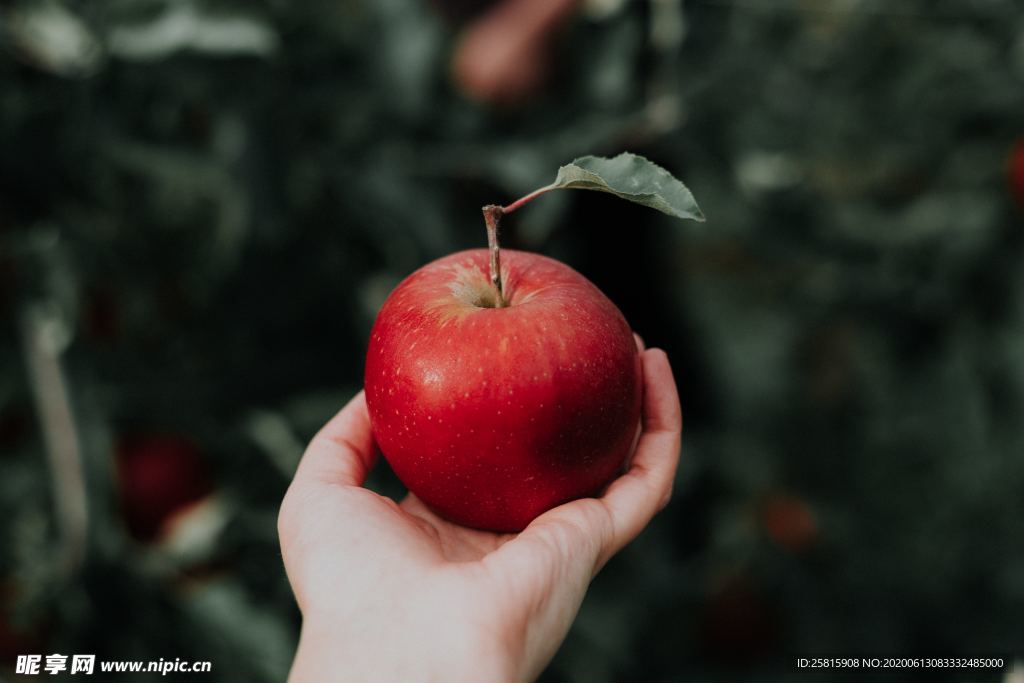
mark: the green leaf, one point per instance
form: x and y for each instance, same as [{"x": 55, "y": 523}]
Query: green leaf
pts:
[{"x": 631, "y": 177}]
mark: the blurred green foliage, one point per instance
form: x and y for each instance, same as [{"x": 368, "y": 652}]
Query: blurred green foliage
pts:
[{"x": 203, "y": 204}]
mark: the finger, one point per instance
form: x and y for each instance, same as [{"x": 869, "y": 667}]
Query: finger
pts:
[
  {"x": 343, "y": 451},
  {"x": 414, "y": 505},
  {"x": 564, "y": 545},
  {"x": 639, "y": 342},
  {"x": 580, "y": 536},
  {"x": 635, "y": 497}
]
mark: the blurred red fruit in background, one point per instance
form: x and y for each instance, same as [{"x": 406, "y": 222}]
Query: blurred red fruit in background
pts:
[
  {"x": 1015, "y": 173},
  {"x": 158, "y": 476},
  {"x": 789, "y": 522},
  {"x": 506, "y": 55}
]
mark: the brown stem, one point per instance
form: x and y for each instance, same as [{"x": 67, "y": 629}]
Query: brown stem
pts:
[{"x": 492, "y": 216}]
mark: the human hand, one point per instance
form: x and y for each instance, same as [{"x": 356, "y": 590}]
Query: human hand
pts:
[{"x": 391, "y": 591}]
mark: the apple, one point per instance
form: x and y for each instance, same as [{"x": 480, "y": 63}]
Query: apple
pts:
[
  {"x": 160, "y": 476},
  {"x": 494, "y": 414},
  {"x": 497, "y": 391}
]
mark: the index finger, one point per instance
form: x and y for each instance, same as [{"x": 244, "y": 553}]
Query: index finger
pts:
[{"x": 343, "y": 451}]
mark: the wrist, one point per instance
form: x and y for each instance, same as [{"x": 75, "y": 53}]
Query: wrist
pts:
[{"x": 405, "y": 648}]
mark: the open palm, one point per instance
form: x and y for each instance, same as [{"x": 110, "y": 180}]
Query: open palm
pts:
[{"x": 370, "y": 573}]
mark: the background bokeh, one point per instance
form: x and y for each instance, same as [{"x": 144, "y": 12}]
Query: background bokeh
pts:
[{"x": 203, "y": 204}]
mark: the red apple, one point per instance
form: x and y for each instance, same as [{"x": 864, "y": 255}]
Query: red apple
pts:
[
  {"x": 160, "y": 475},
  {"x": 492, "y": 415}
]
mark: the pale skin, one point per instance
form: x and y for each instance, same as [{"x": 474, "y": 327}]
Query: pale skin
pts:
[{"x": 390, "y": 591}]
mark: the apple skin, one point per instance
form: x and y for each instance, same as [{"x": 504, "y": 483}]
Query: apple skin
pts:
[{"x": 492, "y": 416}]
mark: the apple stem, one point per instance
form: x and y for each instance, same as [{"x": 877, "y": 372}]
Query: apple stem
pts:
[{"x": 492, "y": 216}]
